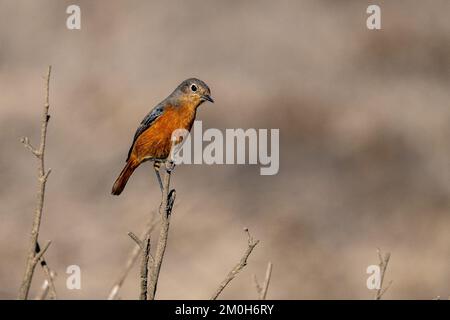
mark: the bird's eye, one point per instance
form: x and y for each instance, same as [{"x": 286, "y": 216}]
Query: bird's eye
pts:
[{"x": 193, "y": 87}]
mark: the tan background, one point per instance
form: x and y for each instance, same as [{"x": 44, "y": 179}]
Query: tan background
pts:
[{"x": 364, "y": 125}]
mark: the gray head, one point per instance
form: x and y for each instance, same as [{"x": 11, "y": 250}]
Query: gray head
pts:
[{"x": 193, "y": 92}]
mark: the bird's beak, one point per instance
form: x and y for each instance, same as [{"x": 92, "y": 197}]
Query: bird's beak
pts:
[{"x": 207, "y": 97}]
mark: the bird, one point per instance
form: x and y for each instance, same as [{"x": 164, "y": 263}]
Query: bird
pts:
[{"x": 153, "y": 138}]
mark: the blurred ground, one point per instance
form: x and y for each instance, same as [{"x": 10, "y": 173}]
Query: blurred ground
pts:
[{"x": 364, "y": 127}]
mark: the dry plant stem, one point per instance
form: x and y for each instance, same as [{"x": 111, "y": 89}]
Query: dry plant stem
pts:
[
  {"x": 32, "y": 259},
  {"x": 144, "y": 268},
  {"x": 257, "y": 285},
  {"x": 262, "y": 290},
  {"x": 48, "y": 287},
  {"x": 165, "y": 210},
  {"x": 383, "y": 266},
  {"x": 50, "y": 275},
  {"x": 132, "y": 258},
  {"x": 238, "y": 267},
  {"x": 145, "y": 257},
  {"x": 42, "y": 295}
]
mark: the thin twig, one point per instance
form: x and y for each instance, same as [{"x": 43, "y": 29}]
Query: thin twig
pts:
[
  {"x": 48, "y": 283},
  {"x": 144, "y": 268},
  {"x": 145, "y": 256},
  {"x": 263, "y": 290},
  {"x": 385, "y": 289},
  {"x": 257, "y": 285},
  {"x": 136, "y": 239},
  {"x": 132, "y": 258},
  {"x": 32, "y": 259},
  {"x": 46, "y": 287},
  {"x": 238, "y": 267},
  {"x": 39, "y": 254},
  {"x": 383, "y": 266},
  {"x": 42, "y": 295},
  {"x": 165, "y": 211}
]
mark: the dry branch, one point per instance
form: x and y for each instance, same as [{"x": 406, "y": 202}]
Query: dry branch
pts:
[
  {"x": 238, "y": 267},
  {"x": 33, "y": 256},
  {"x": 383, "y": 266},
  {"x": 262, "y": 290},
  {"x": 48, "y": 287},
  {"x": 145, "y": 257},
  {"x": 132, "y": 258},
  {"x": 165, "y": 211}
]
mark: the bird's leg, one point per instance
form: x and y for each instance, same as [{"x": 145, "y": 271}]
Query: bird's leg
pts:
[{"x": 156, "y": 166}]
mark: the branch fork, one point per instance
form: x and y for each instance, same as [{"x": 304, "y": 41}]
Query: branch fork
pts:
[{"x": 146, "y": 256}]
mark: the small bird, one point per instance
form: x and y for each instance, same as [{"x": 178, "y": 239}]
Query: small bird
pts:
[{"x": 153, "y": 138}]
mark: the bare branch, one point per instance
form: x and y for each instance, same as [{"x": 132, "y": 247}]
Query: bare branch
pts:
[
  {"x": 383, "y": 266},
  {"x": 40, "y": 254},
  {"x": 48, "y": 287},
  {"x": 42, "y": 180},
  {"x": 27, "y": 144},
  {"x": 44, "y": 291},
  {"x": 386, "y": 288},
  {"x": 165, "y": 211},
  {"x": 257, "y": 285},
  {"x": 238, "y": 267},
  {"x": 142, "y": 245},
  {"x": 45, "y": 176},
  {"x": 144, "y": 268},
  {"x": 132, "y": 258},
  {"x": 145, "y": 254},
  {"x": 136, "y": 239},
  {"x": 265, "y": 286}
]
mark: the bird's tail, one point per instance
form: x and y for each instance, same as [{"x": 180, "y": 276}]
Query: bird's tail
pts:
[{"x": 122, "y": 180}]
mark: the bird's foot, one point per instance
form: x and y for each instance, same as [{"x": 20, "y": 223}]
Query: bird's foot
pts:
[{"x": 170, "y": 165}]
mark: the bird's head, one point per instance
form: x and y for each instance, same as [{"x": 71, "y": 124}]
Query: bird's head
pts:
[{"x": 194, "y": 92}]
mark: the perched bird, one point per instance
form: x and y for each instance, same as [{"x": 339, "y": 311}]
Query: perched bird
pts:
[{"x": 153, "y": 138}]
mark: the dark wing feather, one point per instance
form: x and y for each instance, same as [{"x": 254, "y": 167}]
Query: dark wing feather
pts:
[{"x": 146, "y": 123}]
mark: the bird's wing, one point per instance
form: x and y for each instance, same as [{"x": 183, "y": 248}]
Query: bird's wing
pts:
[{"x": 146, "y": 123}]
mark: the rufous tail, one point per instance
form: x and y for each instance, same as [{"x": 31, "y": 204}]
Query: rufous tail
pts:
[{"x": 122, "y": 180}]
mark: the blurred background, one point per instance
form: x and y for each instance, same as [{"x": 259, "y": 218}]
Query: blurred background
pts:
[{"x": 364, "y": 144}]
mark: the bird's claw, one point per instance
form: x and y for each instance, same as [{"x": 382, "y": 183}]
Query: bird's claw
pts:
[{"x": 170, "y": 165}]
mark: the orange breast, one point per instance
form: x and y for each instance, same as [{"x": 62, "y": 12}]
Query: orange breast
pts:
[{"x": 155, "y": 142}]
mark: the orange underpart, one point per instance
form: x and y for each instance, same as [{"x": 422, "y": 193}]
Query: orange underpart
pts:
[{"x": 155, "y": 142}]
